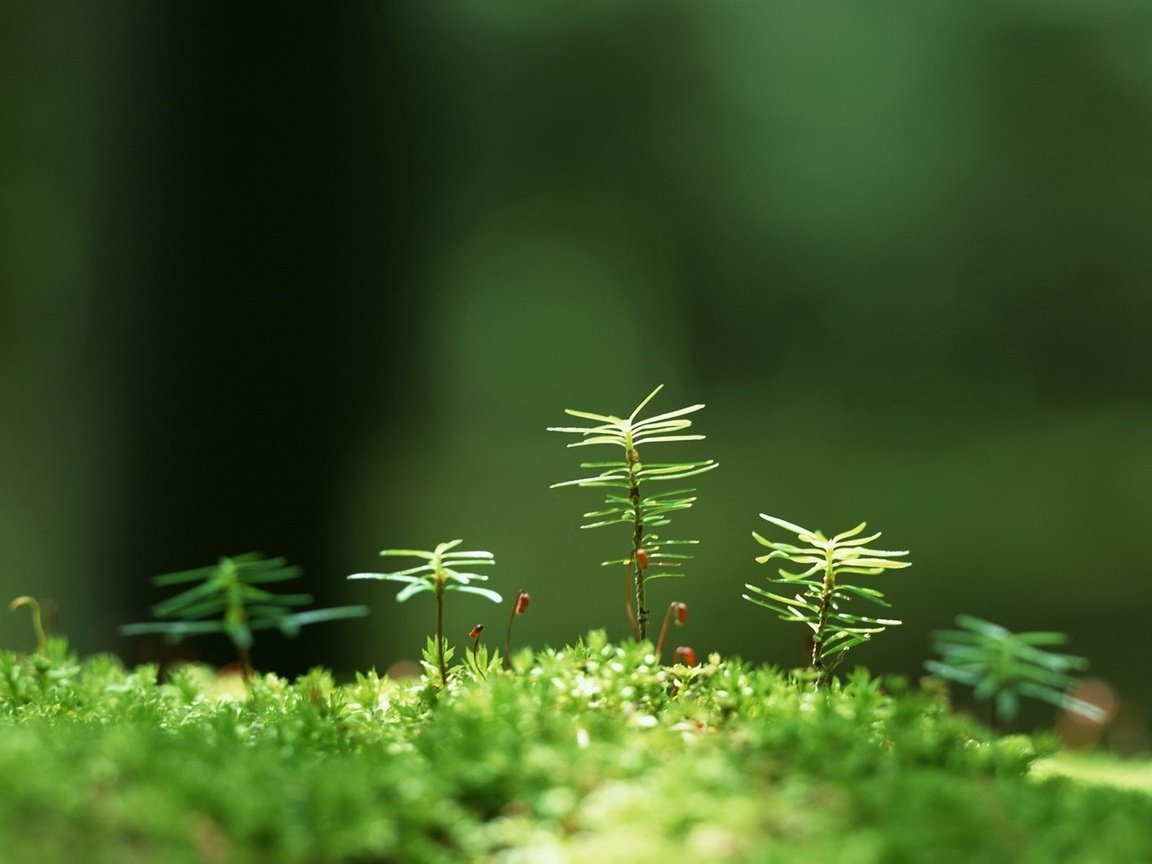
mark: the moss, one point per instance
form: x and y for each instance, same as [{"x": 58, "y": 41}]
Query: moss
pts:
[{"x": 590, "y": 753}]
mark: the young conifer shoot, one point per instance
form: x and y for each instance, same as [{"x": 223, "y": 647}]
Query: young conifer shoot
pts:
[
  {"x": 437, "y": 576},
  {"x": 631, "y": 503},
  {"x": 229, "y": 589},
  {"x": 819, "y": 603},
  {"x": 1002, "y": 667}
]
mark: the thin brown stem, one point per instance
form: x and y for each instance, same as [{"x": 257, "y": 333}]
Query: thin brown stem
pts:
[
  {"x": 519, "y": 607},
  {"x": 508, "y": 639},
  {"x": 628, "y": 582},
  {"x": 664, "y": 632},
  {"x": 477, "y": 634},
  {"x": 676, "y": 611},
  {"x": 37, "y": 621}
]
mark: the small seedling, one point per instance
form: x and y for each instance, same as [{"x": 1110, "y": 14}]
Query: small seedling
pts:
[
  {"x": 438, "y": 576},
  {"x": 1003, "y": 666},
  {"x": 228, "y": 589},
  {"x": 519, "y": 607},
  {"x": 631, "y": 506},
  {"x": 37, "y": 621},
  {"x": 818, "y": 605}
]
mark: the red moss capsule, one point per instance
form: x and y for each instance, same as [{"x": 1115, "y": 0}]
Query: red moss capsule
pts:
[
  {"x": 522, "y": 600},
  {"x": 475, "y": 632},
  {"x": 681, "y": 614},
  {"x": 642, "y": 559},
  {"x": 685, "y": 655}
]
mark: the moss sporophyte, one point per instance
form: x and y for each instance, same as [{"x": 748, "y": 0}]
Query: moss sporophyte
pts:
[
  {"x": 519, "y": 607},
  {"x": 37, "y": 621}
]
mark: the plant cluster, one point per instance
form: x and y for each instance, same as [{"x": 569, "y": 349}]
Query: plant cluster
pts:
[
  {"x": 995, "y": 662},
  {"x": 536, "y": 756}
]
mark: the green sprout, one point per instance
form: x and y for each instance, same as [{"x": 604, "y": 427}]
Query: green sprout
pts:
[
  {"x": 438, "y": 576},
  {"x": 630, "y": 505},
  {"x": 1003, "y": 666},
  {"x": 229, "y": 589},
  {"x": 819, "y": 603}
]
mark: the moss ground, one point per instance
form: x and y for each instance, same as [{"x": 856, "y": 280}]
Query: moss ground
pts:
[{"x": 594, "y": 753}]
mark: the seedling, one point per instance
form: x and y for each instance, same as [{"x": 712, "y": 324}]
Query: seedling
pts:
[
  {"x": 1003, "y": 666},
  {"x": 519, "y": 607},
  {"x": 228, "y": 589},
  {"x": 438, "y": 576},
  {"x": 819, "y": 603},
  {"x": 631, "y": 505}
]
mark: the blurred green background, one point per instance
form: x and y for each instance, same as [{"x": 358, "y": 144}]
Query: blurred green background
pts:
[{"x": 314, "y": 280}]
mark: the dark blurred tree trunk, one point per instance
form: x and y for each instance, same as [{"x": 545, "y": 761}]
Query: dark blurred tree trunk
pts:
[{"x": 254, "y": 257}]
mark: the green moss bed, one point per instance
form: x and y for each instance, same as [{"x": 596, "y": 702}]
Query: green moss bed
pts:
[{"x": 593, "y": 753}]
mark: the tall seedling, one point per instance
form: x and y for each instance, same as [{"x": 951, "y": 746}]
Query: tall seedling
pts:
[{"x": 630, "y": 502}]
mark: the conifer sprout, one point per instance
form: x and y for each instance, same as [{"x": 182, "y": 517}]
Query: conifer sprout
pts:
[
  {"x": 439, "y": 575},
  {"x": 819, "y": 604},
  {"x": 229, "y": 589},
  {"x": 1003, "y": 666},
  {"x": 632, "y": 504}
]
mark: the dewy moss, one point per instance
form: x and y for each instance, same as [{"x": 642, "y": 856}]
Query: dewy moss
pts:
[{"x": 599, "y": 754}]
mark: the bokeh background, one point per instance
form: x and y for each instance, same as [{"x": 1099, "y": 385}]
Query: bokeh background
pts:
[{"x": 313, "y": 281}]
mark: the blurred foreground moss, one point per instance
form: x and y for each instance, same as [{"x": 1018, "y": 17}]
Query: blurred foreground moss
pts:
[{"x": 591, "y": 753}]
